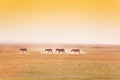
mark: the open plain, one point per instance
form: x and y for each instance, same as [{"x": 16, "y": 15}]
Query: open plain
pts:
[{"x": 98, "y": 63}]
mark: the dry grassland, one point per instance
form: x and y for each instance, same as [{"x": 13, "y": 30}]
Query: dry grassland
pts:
[{"x": 35, "y": 66}]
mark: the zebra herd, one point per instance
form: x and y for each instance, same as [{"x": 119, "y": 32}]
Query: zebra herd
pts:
[{"x": 50, "y": 51}]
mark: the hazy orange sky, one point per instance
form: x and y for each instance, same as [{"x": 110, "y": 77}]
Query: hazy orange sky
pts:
[{"x": 60, "y": 21}]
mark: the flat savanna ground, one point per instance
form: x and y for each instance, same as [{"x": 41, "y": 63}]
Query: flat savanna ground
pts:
[{"x": 35, "y": 66}]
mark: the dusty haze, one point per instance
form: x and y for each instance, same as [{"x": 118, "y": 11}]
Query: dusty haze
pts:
[{"x": 60, "y": 21}]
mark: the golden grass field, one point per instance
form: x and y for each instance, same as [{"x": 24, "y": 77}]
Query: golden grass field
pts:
[{"x": 96, "y": 64}]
